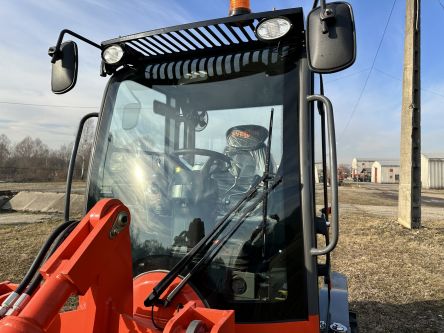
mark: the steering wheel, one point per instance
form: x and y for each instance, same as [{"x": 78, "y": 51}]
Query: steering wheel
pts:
[{"x": 213, "y": 156}]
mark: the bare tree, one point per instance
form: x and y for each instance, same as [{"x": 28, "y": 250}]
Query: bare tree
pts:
[
  {"x": 32, "y": 160},
  {"x": 5, "y": 149}
]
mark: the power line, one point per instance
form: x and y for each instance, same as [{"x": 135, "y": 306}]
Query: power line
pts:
[
  {"x": 387, "y": 74},
  {"x": 347, "y": 76},
  {"x": 49, "y": 105},
  {"x": 370, "y": 72},
  {"x": 399, "y": 79}
]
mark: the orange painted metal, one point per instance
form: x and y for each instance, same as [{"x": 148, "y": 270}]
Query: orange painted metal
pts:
[
  {"x": 98, "y": 267},
  {"x": 88, "y": 263},
  {"x": 221, "y": 321},
  {"x": 143, "y": 286}
]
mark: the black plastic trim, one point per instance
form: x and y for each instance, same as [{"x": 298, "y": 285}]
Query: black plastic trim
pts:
[{"x": 223, "y": 35}]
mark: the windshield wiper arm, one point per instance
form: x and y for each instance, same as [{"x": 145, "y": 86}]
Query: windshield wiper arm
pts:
[
  {"x": 217, "y": 246},
  {"x": 266, "y": 180},
  {"x": 202, "y": 245}
]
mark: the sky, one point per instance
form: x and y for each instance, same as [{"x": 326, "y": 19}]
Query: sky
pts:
[{"x": 367, "y": 115}]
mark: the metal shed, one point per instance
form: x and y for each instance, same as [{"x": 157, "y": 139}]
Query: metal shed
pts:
[
  {"x": 432, "y": 171},
  {"x": 385, "y": 172}
]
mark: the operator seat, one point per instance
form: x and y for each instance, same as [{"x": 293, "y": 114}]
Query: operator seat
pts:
[{"x": 246, "y": 147}]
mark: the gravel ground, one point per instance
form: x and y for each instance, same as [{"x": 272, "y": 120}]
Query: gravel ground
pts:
[{"x": 396, "y": 276}]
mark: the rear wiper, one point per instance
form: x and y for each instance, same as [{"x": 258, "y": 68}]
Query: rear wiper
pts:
[
  {"x": 217, "y": 246},
  {"x": 203, "y": 245}
]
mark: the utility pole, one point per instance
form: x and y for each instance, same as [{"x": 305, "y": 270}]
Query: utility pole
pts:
[{"x": 409, "y": 202}]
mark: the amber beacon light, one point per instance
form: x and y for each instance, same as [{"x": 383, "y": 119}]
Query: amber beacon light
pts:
[{"x": 239, "y": 7}]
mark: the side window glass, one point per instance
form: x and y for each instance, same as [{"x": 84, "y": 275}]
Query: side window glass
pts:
[{"x": 134, "y": 123}]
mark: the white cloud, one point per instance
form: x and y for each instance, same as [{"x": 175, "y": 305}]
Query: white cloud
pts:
[{"x": 31, "y": 27}]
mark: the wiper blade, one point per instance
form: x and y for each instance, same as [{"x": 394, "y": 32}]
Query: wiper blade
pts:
[
  {"x": 217, "y": 246},
  {"x": 203, "y": 245}
]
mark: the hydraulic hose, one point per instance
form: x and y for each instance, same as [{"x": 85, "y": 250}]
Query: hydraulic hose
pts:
[
  {"x": 57, "y": 241},
  {"x": 16, "y": 298},
  {"x": 40, "y": 256}
]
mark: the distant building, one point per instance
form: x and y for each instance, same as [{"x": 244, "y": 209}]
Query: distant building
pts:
[
  {"x": 432, "y": 171},
  {"x": 385, "y": 172},
  {"x": 361, "y": 169}
]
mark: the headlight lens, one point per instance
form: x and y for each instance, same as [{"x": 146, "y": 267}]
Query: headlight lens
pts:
[
  {"x": 113, "y": 54},
  {"x": 273, "y": 28}
]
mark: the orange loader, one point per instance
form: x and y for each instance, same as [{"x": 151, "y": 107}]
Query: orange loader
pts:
[{"x": 201, "y": 213}]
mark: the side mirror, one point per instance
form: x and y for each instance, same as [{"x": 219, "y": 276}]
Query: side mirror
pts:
[
  {"x": 331, "y": 38},
  {"x": 64, "y": 69},
  {"x": 130, "y": 116}
]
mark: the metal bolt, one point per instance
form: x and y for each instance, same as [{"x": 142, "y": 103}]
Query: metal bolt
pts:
[
  {"x": 338, "y": 327},
  {"x": 328, "y": 12},
  {"x": 119, "y": 224}
]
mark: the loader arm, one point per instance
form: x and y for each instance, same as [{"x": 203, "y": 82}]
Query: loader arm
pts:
[{"x": 94, "y": 262}]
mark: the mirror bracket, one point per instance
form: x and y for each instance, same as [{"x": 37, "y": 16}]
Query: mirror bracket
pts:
[
  {"x": 55, "y": 52},
  {"x": 327, "y": 15}
]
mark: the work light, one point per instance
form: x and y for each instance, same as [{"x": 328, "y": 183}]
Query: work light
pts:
[
  {"x": 112, "y": 54},
  {"x": 273, "y": 28}
]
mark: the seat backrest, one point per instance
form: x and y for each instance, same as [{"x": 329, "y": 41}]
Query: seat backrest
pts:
[{"x": 246, "y": 146}]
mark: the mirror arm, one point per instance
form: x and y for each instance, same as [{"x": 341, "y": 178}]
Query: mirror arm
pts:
[{"x": 55, "y": 51}]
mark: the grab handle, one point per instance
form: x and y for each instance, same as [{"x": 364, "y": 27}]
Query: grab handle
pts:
[{"x": 333, "y": 176}]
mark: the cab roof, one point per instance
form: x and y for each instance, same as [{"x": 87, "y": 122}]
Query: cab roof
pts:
[{"x": 218, "y": 36}]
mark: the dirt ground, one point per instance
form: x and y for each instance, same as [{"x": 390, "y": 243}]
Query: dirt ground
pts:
[
  {"x": 396, "y": 275},
  {"x": 77, "y": 187}
]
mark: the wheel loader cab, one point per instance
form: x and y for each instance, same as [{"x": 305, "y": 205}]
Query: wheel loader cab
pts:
[{"x": 196, "y": 145}]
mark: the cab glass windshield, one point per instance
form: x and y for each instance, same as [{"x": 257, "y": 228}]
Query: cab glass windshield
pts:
[{"x": 181, "y": 144}]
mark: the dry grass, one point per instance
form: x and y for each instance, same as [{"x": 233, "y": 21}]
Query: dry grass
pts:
[
  {"x": 19, "y": 245},
  {"x": 396, "y": 276}
]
